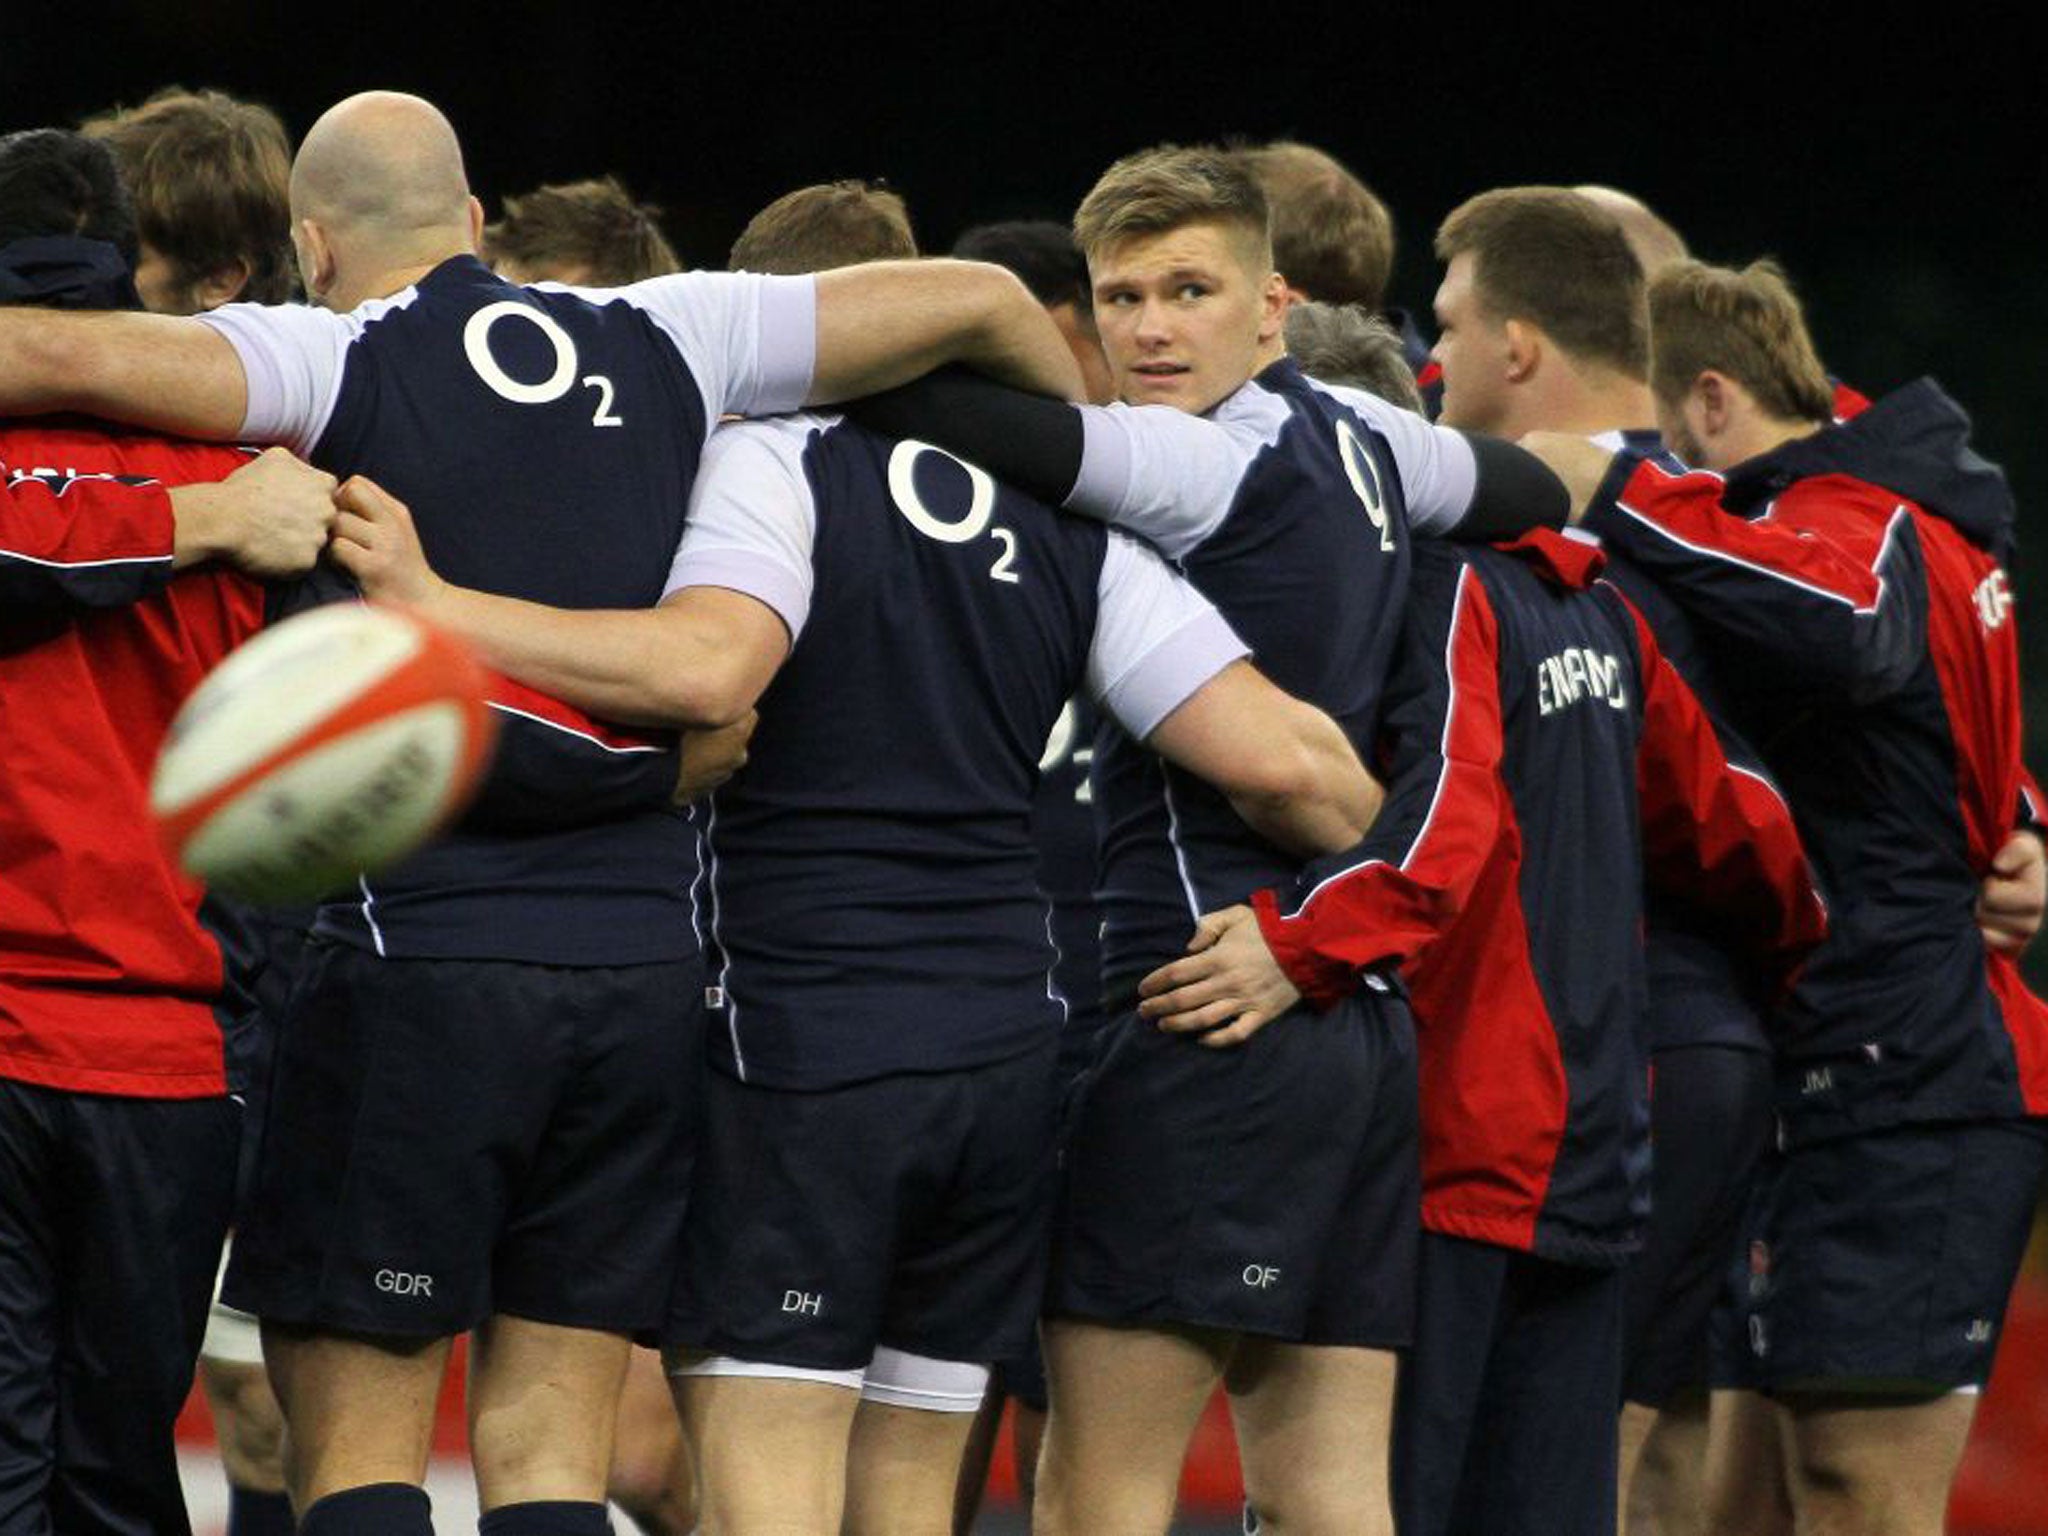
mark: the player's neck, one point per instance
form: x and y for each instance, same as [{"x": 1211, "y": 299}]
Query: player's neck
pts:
[
  {"x": 381, "y": 280},
  {"x": 1587, "y": 403},
  {"x": 1756, "y": 435}
]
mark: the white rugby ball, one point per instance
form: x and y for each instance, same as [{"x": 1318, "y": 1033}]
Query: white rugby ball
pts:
[{"x": 327, "y": 747}]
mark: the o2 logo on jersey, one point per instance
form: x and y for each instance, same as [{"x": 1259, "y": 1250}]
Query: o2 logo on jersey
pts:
[
  {"x": 1994, "y": 598},
  {"x": 476, "y": 343},
  {"x": 969, "y": 525},
  {"x": 1365, "y": 480}
]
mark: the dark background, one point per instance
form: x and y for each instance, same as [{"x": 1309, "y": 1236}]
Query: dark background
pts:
[{"x": 1892, "y": 167}]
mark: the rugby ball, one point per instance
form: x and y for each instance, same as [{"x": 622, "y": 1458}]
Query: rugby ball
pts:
[{"x": 327, "y": 747}]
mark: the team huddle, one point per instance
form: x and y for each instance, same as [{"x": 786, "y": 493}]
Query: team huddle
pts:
[{"x": 1072, "y": 834}]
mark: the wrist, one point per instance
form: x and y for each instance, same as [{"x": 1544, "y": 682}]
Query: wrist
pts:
[{"x": 201, "y": 520}]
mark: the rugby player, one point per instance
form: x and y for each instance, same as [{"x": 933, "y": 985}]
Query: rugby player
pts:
[
  {"x": 1343, "y": 344},
  {"x": 1044, "y": 255},
  {"x": 1542, "y": 325},
  {"x": 1851, "y": 578},
  {"x": 438, "y": 1028},
  {"x": 1652, "y": 239},
  {"x": 1243, "y": 1215},
  {"x": 119, "y": 987},
  {"x": 589, "y": 233},
  {"x": 209, "y": 174}
]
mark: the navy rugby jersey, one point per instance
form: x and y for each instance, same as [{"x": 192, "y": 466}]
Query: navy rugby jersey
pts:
[
  {"x": 545, "y": 439},
  {"x": 1544, "y": 757},
  {"x": 1294, "y": 520},
  {"x": 870, "y": 893},
  {"x": 1063, "y": 828},
  {"x": 1699, "y": 994},
  {"x": 1854, "y": 588}
]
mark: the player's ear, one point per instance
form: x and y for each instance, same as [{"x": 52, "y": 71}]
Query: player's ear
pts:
[
  {"x": 1272, "y": 306},
  {"x": 476, "y": 224},
  {"x": 1522, "y": 344},
  {"x": 223, "y": 285},
  {"x": 1715, "y": 399},
  {"x": 316, "y": 258}
]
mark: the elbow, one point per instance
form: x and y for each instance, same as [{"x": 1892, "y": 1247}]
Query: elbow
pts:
[
  {"x": 710, "y": 699},
  {"x": 1285, "y": 778},
  {"x": 1307, "y": 801}
]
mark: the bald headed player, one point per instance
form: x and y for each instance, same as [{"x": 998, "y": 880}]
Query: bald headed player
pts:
[
  {"x": 1654, "y": 241},
  {"x": 485, "y": 1076}
]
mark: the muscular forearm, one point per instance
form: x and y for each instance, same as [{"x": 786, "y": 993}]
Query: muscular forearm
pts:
[
  {"x": 169, "y": 373},
  {"x": 635, "y": 666},
  {"x": 884, "y": 323},
  {"x": 1326, "y": 803}
]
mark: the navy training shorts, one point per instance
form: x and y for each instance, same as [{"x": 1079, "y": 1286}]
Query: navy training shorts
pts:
[
  {"x": 1711, "y": 1122},
  {"x": 448, "y": 1139},
  {"x": 908, "y": 1211},
  {"x": 1882, "y": 1262},
  {"x": 1271, "y": 1188}
]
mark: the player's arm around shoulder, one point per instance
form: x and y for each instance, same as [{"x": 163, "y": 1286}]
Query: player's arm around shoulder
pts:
[
  {"x": 691, "y": 661},
  {"x": 168, "y": 373},
  {"x": 1287, "y": 767},
  {"x": 886, "y": 322},
  {"x": 1171, "y": 671}
]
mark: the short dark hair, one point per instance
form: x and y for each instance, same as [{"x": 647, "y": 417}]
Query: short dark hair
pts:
[
  {"x": 210, "y": 175},
  {"x": 1042, "y": 252},
  {"x": 1168, "y": 186},
  {"x": 58, "y": 186},
  {"x": 1745, "y": 324},
  {"x": 1558, "y": 260},
  {"x": 1332, "y": 238},
  {"x": 55, "y": 182},
  {"x": 591, "y": 226},
  {"x": 816, "y": 228}
]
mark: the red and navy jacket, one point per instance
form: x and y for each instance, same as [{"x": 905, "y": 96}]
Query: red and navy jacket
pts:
[
  {"x": 1852, "y": 585},
  {"x": 1699, "y": 994},
  {"x": 1541, "y": 752},
  {"x": 116, "y": 977},
  {"x": 108, "y": 977}
]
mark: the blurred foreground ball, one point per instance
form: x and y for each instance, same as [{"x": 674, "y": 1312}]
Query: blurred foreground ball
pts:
[{"x": 329, "y": 746}]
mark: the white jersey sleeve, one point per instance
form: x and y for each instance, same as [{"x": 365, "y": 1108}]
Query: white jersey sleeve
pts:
[
  {"x": 1157, "y": 640},
  {"x": 751, "y": 342},
  {"x": 1169, "y": 477},
  {"x": 292, "y": 356},
  {"x": 1437, "y": 470},
  {"x": 753, "y": 521}
]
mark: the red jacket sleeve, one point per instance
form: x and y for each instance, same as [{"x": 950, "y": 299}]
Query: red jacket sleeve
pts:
[
  {"x": 1718, "y": 835},
  {"x": 81, "y": 541},
  {"x": 1828, "y": 583},
  {"x": 1385, "y": 900}
]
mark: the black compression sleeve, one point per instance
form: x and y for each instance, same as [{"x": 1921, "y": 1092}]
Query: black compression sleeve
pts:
[
  {"x": 1025, "y": 440},
  {"x": 1515, "y": 492}
]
